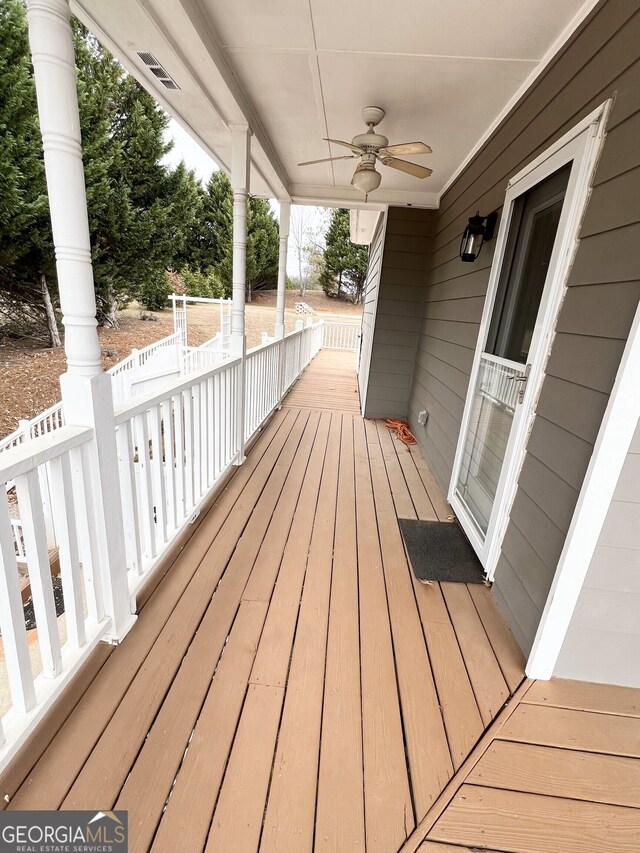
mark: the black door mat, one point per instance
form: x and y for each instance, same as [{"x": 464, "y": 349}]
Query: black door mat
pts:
[{"x": 439, "y": 551}]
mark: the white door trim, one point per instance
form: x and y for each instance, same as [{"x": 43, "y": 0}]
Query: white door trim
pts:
[
  {"x": 364, "y": 367},
  {"x": 580, "y": 145},
  {"x": 612, "y": 445}
]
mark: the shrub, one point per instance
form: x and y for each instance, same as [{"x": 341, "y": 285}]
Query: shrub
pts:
[
  {"x": 198, "y": 283},
  {"x": 154, "y": 292}
]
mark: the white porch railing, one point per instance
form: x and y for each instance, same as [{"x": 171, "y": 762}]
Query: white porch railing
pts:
[
  {"x": 343, "y": 336},
  {"x": 64, "y": 453},
  {"x": 262, "y": 386},
  {"x": 173, "y": 447}
]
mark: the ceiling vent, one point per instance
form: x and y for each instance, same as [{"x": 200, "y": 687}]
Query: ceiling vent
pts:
[{"x": 157, "y": 70}]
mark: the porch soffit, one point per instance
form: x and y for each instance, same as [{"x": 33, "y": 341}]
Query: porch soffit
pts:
[{"x": 296, "y": 72}]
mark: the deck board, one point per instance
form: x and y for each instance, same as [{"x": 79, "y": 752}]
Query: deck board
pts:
[
  {"x": 430, "y": 763},
  {"x": 290, "y": 814},
  {"x": 388, "y": 807},
  {"x": 187, "y": 818},
  {"x": 486, "y": 677},
  {"x": 560, "y": 773},
  {"x": 529, "y": 823},
  {"x": 340, "y": 806}
]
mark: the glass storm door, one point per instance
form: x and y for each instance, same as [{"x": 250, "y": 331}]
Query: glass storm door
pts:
[{"x": 500, "y": 372}]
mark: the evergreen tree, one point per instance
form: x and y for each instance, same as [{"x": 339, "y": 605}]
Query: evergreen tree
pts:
[
  {"x": 214, "y": 249},
  {"x": 262, "y": 247},
  {"x": 26, "y": 250},
  {"x": 344, "y": 264}
]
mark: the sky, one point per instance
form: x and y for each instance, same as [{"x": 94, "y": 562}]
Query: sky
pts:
[{"x": 185, "y": 148}]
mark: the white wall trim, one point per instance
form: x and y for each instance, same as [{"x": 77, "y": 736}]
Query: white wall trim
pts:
[
  {"x": 612, "y": 445},
  {"x": 366, "y": 367},
  {"x": 537, "y": 72}
]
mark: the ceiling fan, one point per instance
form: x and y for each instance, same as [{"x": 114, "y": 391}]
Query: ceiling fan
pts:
[{"x": 371, "y": 146}]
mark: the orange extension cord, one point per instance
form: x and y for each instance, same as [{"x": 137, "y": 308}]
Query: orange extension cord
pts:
[{"x": 402, "y": 431}]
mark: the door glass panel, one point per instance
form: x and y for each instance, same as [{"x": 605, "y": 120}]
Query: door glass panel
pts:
[
  {"x": 494, "y": 403},
  {"x": 532, "y": 234},
  {"x": 502, "y": 370}
]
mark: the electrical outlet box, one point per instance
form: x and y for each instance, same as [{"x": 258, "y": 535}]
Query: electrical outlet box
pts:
[{"x": 423, "y": 417}]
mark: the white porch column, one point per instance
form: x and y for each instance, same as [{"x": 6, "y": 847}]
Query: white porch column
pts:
[
  {"x": 241, "y": 138},
  {"x": 86, "y": 390},
  {"x": 285, "y": 213},
  {"x": 240, "y": 160},
  {"x": 55, "y": 76}
]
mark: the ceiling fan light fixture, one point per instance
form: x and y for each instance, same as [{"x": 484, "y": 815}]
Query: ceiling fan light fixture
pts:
[{"x": 366, "y": 178}]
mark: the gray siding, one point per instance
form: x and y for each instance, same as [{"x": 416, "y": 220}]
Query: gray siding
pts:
[
  {"x": 407, "y": 245},
  {"x": 600, "y": 62},
  {"x": 370, "y": 302},
  {"x": 603, "y": 640}
]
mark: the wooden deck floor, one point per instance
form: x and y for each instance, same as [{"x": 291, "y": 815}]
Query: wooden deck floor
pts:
[
  {"x": 289, "y": 686},
  {"x": 329, "y": 384}
]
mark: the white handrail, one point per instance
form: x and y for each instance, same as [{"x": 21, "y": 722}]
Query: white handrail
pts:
[{"x": 29, "y": 456}]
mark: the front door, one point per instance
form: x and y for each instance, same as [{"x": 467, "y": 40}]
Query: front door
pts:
[{"x": 528, "y": 273}]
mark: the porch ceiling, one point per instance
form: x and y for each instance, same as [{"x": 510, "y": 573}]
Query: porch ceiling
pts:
[{"x": 299, "y": 71}]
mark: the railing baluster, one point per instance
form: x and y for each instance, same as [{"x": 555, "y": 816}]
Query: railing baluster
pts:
[
  {"x": 204, "y": 434},
  {"x": 35, "y": 540},
  {"x": 197, "y": 443},
  {"x": 64, "y": 519},
  {"x": 87, "y": 535},
  {"x": 178, "y": 424},
  {"x": 128, "y": 494},
  {"x": 157, "y": 470},
  {"x": 187, "y": 402},
  {"x": 217, "y": 427},
  {"x": 169, "y": 463},
  {"x": 211, "y": 456},
  {"x": 146, "y": 490},
  {"x": 14, "y": 633}
]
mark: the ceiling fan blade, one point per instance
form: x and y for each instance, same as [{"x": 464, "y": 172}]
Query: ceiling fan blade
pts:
[
  {"x": 328, "y": 160},
  {"x": 405, "y": 166},
  {"x": 408, "y": 148},
  {"x": 346, "y": 144}
]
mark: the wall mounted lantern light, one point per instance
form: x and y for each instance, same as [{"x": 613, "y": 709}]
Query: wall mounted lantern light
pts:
[{"x": 478, "y": 231}]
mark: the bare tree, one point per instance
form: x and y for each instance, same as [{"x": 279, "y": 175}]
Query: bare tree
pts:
[
  {"x": 306, "y": 237},
  {"x": 52, "y": 326}
]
